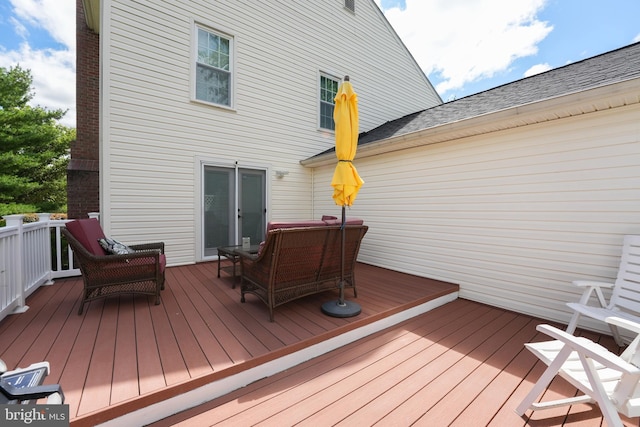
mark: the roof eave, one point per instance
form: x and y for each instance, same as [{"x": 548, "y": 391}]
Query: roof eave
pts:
[
  {"x": 92, "y": 14},
  {"x": 599, "y": 98}
]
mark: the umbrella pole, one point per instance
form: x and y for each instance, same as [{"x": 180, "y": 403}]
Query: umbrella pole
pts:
[
  {"x": 341, "y": 308},
  {"x": 342, "y": 232}
]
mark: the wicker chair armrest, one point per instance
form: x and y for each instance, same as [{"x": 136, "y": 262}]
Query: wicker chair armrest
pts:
[
  {"x": 156, "y": 246},
  {"x": 113, "y": 268},
  {"x": 119, "y": 259},
  {"x": 132, "y": 256}
]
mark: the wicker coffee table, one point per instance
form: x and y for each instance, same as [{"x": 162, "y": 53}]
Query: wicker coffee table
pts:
[{"x": 232, "y": 254}]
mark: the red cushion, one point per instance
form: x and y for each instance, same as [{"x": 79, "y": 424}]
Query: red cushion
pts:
[
  {"x": 163, "y": 262},
  {"x": 348, "y": 221},
  {"x": 294, "y": 224},
  {"x": 87, "y": 232}
]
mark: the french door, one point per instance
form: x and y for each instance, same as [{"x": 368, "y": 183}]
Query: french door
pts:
[{"x": 234, "y": 206}]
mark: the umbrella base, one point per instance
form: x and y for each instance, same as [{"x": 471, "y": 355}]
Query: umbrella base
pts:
[{"x": 336, "y": 309}]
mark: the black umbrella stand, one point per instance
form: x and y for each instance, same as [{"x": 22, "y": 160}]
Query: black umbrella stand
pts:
[{"x": 341, "y": 308}]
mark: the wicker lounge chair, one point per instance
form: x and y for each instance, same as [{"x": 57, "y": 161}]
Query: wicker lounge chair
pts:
[{"x": 140, "y": 272}]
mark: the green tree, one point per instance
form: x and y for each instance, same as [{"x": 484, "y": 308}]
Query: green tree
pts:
[{"x": 34, "y": 149}]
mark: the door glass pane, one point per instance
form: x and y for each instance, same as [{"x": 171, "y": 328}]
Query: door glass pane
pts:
[
  {"x": 218, "y": 204},
  {"x": 252, "y": 205}
]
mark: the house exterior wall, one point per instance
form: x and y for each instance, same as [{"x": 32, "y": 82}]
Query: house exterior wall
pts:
[
  {"x": 512, "y": 216},
  {"x": 154, "y": 137}
]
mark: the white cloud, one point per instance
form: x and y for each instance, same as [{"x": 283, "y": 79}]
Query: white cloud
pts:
[
  {"x": 537, "y": 69},
  {"x": 53, "y": 69},
  {"x": 57, "y": 17},
  {"x": 466, "y": 40},
  {"x": 19, "y": 28},
  {"x": 636, "y": 38}
]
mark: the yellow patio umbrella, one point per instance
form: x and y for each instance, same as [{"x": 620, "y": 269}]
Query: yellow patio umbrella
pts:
[{"x": 346, "y": 182}]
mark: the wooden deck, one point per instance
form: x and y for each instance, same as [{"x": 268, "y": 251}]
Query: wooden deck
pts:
[
  {"x": 462, "y": 364},
  {"x": 124, "y": 353}
]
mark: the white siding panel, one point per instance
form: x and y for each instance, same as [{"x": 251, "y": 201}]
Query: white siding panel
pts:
[
  {"x": 513, "y": 216},
  {"x": 153, "y": 135}
]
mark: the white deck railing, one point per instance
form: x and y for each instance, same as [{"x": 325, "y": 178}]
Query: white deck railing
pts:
[{"x": 31, "y": 255}]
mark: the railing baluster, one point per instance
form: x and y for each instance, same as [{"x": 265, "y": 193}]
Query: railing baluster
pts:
[
  {"x": 16, "y": 265},
  {"x": 58, "y": 246},
  {"x": 27, "y": 255}
]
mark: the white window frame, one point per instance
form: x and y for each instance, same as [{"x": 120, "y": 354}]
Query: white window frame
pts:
[
  {"x": 338, "y": 80},
  {"x": 194, "y": 64}
]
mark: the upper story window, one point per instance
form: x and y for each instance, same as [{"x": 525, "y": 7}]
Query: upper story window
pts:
[
  {"x": 213, "y": 67},
  {"x": 350, "y": 5},
  {"x": 328, "y": 90}
]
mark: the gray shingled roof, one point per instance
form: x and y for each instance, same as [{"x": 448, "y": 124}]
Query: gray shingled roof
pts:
[{"x": 607, "y": 68}]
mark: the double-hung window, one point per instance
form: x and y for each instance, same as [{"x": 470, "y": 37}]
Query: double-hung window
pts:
[
  {"x": 328, "y": 90},
  {"x": 213, "y": 67}
]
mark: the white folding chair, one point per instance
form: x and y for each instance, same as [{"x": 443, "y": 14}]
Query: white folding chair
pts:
[
  {"x": 625, "y": 299},
  {"x": 603, "y": 377}
]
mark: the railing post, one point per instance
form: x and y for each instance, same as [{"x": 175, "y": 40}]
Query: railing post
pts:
[
  {"x": 46, "y": 218},
  {"x": 16, "y": 221},
  {"x": 95, "y": 215}
]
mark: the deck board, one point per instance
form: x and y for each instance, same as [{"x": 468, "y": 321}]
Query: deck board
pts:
[
  {"x": 125, "y": 370},
  {"x": 475, "y": 370},
  {"x": 126, "y": 352},
  {"x": 460, "y": 364},
  {"x": 75, "y": 370},
  {"x": 501, "y": 379},
  {"x": 101, "y": 362}
]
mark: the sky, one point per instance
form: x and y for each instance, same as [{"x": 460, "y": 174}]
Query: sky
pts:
[
  {"x": 463, "y": 46},
  {"x": 468, "y": 46},
  {"x": 39, "y": 35}
]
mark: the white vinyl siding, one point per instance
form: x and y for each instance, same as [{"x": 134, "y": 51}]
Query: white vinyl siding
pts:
[
  {"x": 152, "y": 135},
  {"x": 512, "y": 216}
]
